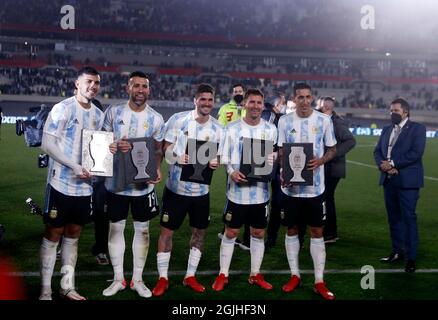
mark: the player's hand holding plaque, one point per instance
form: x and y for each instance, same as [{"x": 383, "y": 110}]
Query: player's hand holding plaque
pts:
[
  {"x": 254, "y": 162},
  {"x": 200, "y": 154},
  {"x": 96, "y": 156},
  {"x": 140, "y": 164},
  {"x": 295, "y": 159}
]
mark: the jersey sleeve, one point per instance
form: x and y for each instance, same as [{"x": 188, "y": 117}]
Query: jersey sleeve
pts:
[
  {"x": 56, "y": 120},
  {"x": 329, "y": 134}
]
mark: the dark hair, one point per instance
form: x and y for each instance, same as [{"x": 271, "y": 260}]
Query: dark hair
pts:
[
  {"x": 139, "y": 74},
  {"x": 300, "y": 86},
  {"x": 238, "y": 85},
  {"x": 87, "y": 70},
  {"x": 204, "y": 87},
  {"x": 404, "y": 104},
  {"x": 330, "y": 99},
  {"x": 254, "y": 92}
]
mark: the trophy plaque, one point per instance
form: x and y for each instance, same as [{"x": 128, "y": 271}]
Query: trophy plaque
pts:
[
  {"x": 200, "y": 153},
  {"x": 253, "y": 160},
  {"x": 295, "y": 159},
  {"x": 140, "y": 165},
  {"x": 96, "y": 156}
]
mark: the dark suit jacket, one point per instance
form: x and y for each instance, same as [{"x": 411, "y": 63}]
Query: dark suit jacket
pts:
[
  {"x": 345, "y": 142},
  {"x": 407, "y": 154}
]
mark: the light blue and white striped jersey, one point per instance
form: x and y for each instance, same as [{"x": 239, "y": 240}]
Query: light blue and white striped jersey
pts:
[
  {"x": 66, "y": 121},
  {"x": 316, "y": 129},
  {"x": 180, "y": 127},
  {"x": 246, "y": 193},
  {"x": 124, "y": 122}
]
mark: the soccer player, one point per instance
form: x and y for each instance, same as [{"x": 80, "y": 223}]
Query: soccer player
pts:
[
  {"x": 180, "y": 197},
  {"x": 305, "y": 203},
  {"x": 247, "y": 202},
  {"x": 68, "y": 195},
  {"x": 133, "y": 119}
]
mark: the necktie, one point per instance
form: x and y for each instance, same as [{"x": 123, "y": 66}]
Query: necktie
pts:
[{"x": 393, "y": 139}]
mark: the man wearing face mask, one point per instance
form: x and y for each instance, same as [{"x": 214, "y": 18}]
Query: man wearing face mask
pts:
[
  {"x": 232, "y": 110},
  {"x": 398, "y": 155}
]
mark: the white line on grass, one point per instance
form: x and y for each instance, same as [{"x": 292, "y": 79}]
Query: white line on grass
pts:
[
  {"x": 215, "y": 272},
  {"x": 374, "y": 167}
]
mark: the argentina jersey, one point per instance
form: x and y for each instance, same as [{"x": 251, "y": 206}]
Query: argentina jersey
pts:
[
  {"x": 245, "y": 193},
  {"x": 180, "y": 127},
  {"x": 123, "y": 122},
  {"x": 316, "y": 129},
  {"x": 66, "y": 121}
]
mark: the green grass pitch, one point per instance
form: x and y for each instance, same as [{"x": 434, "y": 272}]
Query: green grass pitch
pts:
[{"x": 362, "y": 223}]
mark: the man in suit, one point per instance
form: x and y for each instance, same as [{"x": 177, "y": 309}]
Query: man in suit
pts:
[
  {"x": 398, "y": 155},
  {"x": 336, "y": 168}
]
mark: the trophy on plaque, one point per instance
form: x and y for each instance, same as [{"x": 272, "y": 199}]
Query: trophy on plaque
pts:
[
  {"x": 140, "y": 159},
  {"x": 139, "y": 164},
  {"x": 96, "y": 156},
  {"x": 297, "y": 162},
  {"x": 200, "y": 154},
  {"x": 295, "y": 158},
  {"x": 98, "y": 148}
]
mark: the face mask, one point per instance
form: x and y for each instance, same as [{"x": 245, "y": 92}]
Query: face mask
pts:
[
  {"x": 396, "y": 118},
  {"x": 238, "y": 98}
]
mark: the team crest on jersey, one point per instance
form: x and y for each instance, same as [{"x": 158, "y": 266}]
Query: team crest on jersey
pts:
[
  {"x": 207, "y": 138},
  {"x": 263, "y": 135},
  {"x": 53, "y": 214},
  {"x": 293, "y": 131},
  {"x": 165, "y": 217},
  {"x": 315, "y": 129},
  {"x": 121, "y": 122},
  {"x": 282, "y": 214},
  {"x": 228, "y": 216},
  {"x": 145, "y": 126}
]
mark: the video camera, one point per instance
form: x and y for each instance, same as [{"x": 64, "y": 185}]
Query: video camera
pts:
[{"x": 33, "y": 131}]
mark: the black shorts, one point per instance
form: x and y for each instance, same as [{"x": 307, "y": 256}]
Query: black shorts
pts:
[
  {"x": 255, "y": 215},
  {"x": 143, "y": 208},
  {"x": 62, "y": 209},
  {"x": 310, "y": 211},
  {"x": 175, "y": 208}
]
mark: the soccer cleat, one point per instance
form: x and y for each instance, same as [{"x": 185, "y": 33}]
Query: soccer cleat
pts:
[
  {"x": 194, "y": 284},
  {"x": 46, "y": 293},
  {"x": 260, "y": 281},
  {"x": 322, "y": 290},
  {"x": 71, "y": 294},
  {"x": 160, "y": 287},
  {"x": 102, "y": 259},
  {"x": 141, "y": 289},
  {"x": 293, "y": 283},
  {"x": 116, "y": 286},
  {"x": 220, "y": 282}
]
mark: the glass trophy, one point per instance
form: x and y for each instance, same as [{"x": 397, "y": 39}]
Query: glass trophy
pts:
[{"x": 96, "y": 156}]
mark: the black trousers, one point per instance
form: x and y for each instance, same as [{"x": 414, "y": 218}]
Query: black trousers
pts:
[
  {"x": 330, "y": 228},
  {"x": 100, "y": 219}
]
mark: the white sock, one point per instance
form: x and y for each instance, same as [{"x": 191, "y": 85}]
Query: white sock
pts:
[
  {"x": 116, "y": 247},
  {"x": 163, "y": 259},
  {"x": 257, "y": 250},
  {"x": 226, "y": 253},
  {"x": 317, "y": 250},
  {"x": 292, "y": 244},
  {"x": 69, "y": 256},
  {"x": 140, "y": 248},
  {"x": 47, "y": 261},
  {"x": 192, "y": 264}
]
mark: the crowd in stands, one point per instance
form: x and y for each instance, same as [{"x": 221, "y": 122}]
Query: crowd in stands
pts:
[
  {"x": 53, "y": 81},
  {"x": 334, "y": 24}
]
